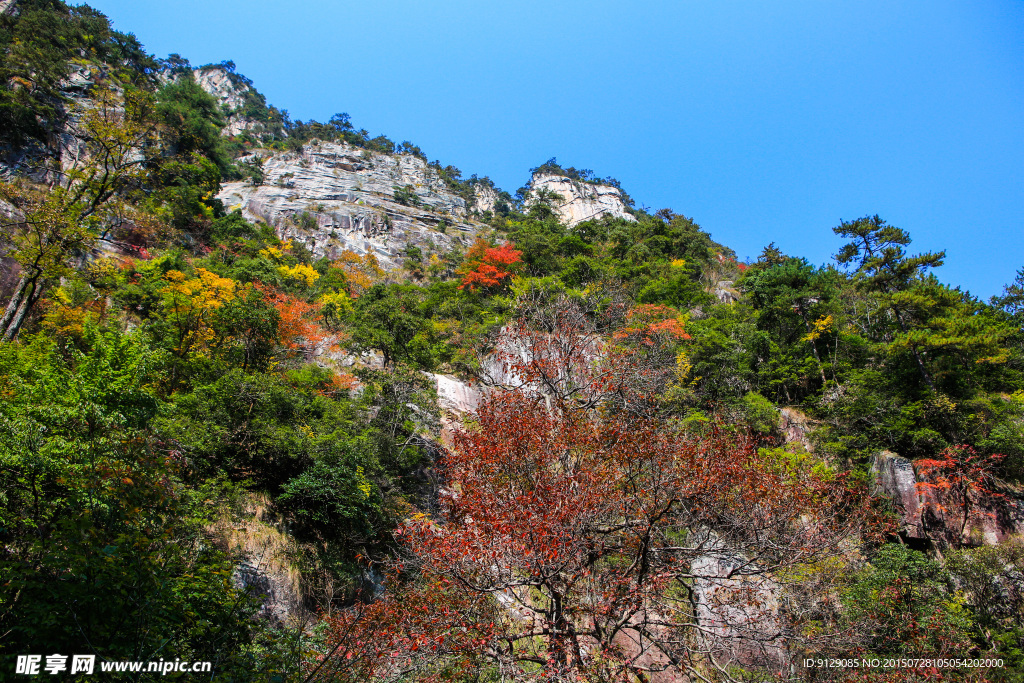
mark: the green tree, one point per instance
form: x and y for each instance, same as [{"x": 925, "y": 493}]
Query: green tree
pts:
[
  {"x": 194, "y": 121},
  {"x": 60, "y": 224},
  {"x": 100, "y": 548},
  {"x": 388, "y": 319},
  {"x": 883, "y": 266},
  {"x": 901, "y": 604}
]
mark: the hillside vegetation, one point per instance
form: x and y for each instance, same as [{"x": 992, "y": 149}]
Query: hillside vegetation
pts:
[{"x": 673, "y": 467}]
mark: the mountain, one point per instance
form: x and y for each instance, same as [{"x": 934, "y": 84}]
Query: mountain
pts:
[{"x": 291, "y": 401}]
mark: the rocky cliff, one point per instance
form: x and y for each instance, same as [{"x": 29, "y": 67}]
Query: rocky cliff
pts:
[
  {"x": 335, "y": 197},
  {"x": 231, "y": 92},
  {"x": 579, "y": 201},
  {"x": 925, "y": 515}
]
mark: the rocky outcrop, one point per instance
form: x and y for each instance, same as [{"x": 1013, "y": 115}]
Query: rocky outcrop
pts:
[
  {"x": 456, "y": 396},
  {"x": 230, "y": 93},
  {"x": 895, "y": 478},
  {"x": 8, "y": 7},
  {"x": 280, "y": 603},
  {"x": 334, "y": 197},
  {"x": 580, "y": 201},
  {"x": 740, "y": 616},
  {"x": 796, "y": 427},
  {"x": 924, "y": 516},
  {"x": 725, "y": 291},
  {"x": 485, "y": 199}
]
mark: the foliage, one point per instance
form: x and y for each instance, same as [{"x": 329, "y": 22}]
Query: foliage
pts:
[
  {"x": 625, "y": 477},
  {"x": 487, "y": 267},
  {"x": 586, "y": 525},
  {"x": 907, "y": 606},
  {"x": 100, "y": 550},
  {"x": 962, "y": 478}
]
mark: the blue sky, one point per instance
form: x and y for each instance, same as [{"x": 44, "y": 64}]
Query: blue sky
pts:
[{"x": 763, "y": 121}]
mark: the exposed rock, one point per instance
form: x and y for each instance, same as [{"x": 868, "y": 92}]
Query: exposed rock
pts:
[
  {"x": 923, "y": 516},
  {"x": 281, "y": 604},
  {"x": 486, "y": 198},
  {"x": 230, "y": 94},
  {"x": 726, "y": 292},
  {"x": 581, "y": 201},
  {"x": 795, "y": 428},
  {"x": 232, "y": 91},
  {"x": 10, "y": 213},
  {"x": 8, "y": 7},
  {"x": 456, "y": 396},
  {"x": 895, "y": 478},
  {"x": 335, "y": 197},
  {"x": 742, "y": 615}
]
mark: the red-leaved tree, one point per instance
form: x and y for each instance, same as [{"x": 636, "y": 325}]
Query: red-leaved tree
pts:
[
  {"x": 960, "y": 480},
  {"x": 580, "y": 539},
  {"x": 487, "y": 267}
]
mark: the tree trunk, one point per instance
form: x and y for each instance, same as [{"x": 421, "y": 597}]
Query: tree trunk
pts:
[
  {"x": 27, "y": 302},
  {"x": 14, "y": 303}
]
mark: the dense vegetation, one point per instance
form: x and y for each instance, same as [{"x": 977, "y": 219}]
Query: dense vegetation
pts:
[{"x": 184, "y": 393}]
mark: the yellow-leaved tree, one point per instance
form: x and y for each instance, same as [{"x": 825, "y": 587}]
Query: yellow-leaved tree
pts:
[{"x": 190, "y": 305}]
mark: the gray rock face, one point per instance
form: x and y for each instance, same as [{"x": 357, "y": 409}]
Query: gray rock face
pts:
[
  {"x": 456, "y": 396},
  {"x": 485, "y": 199},
  {"x": 796, "y": 427},
  {"x": 335, "y": 197},
  {"x": 8, "y": 6},
  {"x": 581, "y": 201},
  {"x": 895, "y": 478},
  {"x": 743, "y": 615},
  {"x": 725, "y": 291},
  {"x": 280, "y": 604},
  {"x": 217, "y": 82},
  {"x": 990, "y": 519}
]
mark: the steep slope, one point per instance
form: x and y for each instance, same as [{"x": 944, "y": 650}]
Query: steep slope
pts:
[
  {"x": 579, "y": 201},
  {"x": 334, "y": 196}
]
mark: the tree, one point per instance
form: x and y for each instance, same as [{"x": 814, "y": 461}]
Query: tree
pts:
[
  {"x": 900, "y": 604},
  {"x": 193, "y": 120},
  {"x": 247, "y": 327},
  {"x": 61, "y": 223},
  {"x": 388, "y": 319},
  {"x": 487, "y": 267},
  {"x": 100, "y": 551},
  {"x": 190, "y": 307},
  {"x": 884, "y": 267},
  {"x": 791, "y": 300},
  {"x": 1012, "y": 298},
  {"x": 577, "y": 543},
  {"x": 960, "y": 477},
  {"x": 39, "y": 44}
]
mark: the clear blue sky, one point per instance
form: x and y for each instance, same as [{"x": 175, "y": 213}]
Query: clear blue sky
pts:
[{"x": 763, "y": 121}]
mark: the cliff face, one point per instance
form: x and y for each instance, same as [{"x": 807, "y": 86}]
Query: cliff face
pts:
[
  {"x": 924, "y": 514},
  {"x": 231, "y": 94},
  {"x": 581, "y": 201},
  {"x": 334, "y": 197}
]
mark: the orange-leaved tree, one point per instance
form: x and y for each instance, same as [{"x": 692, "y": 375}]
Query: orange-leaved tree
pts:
[
  {"x": 487, "y": 267},
  {"x": 299, "y": 330},
  {"x": 961, "y": 480}
]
